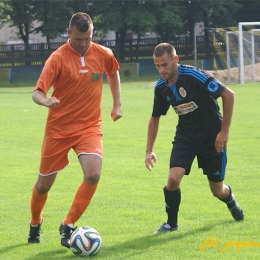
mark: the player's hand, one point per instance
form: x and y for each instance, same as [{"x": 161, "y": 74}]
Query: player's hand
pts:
[
  {"x": 116, "y": 113},
  {"x": 150, "y": 159},
  {"x": 221, "y": 141},
  {"x": 50, "y": 102}
]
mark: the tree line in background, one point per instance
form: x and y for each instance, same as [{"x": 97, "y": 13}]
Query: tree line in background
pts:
[{"x": 167, "y": 18}]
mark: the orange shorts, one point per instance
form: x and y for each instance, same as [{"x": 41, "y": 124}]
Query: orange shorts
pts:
[{"x": 54, "y": 155}]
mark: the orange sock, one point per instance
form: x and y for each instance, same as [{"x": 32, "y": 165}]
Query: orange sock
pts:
[
  {"x": 81, "y": 201},
  {"x": 37, "y": 203}
]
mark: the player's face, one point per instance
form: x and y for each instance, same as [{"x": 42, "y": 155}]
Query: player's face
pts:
[
  {"x": 167, "y": 67},
  {"x": 80, "y": 41}
]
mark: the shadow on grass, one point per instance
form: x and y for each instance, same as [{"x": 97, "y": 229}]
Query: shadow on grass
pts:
[
  {"x": 135, "y": 247},
  {"x": 11, "y": 248},
  {"x": 127, "y": 249}
]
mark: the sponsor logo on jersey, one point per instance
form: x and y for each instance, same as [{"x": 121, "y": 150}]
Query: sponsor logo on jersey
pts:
[
  {"x": 185, "y": 108},
  {"x": 83, "y": 71},
  {"x": 213, "y": 86},
  {"x": 182, "y": 92}
]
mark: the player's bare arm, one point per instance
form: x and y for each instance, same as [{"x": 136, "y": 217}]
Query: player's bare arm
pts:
[
  {"x": 153, "y": 127},
  {"x": 114, "y": 84},
  {"x": 40, "y": 98},
  {"x": 228, "y": 98}
]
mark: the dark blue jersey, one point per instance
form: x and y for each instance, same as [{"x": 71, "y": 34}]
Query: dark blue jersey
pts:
[{"x": 193, "y": 98}]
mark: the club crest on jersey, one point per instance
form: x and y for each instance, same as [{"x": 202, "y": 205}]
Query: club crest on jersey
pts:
[
  {"x": 185, "y": 108},
  {"x": 182, "y": 92},
  {"x": 213, "y": 86}
]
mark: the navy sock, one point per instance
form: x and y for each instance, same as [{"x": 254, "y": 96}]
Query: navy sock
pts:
[
  {"x": 172, "y": 203},
  {"x": 230, "y": 200}
]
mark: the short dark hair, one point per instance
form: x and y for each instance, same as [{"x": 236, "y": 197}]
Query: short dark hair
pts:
[
  {"x": 163, "y": 48},
  {"x": 80, "y": 21}
]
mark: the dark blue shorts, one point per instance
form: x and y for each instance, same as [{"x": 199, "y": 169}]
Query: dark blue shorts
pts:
[{"x": 212, "y": 163}]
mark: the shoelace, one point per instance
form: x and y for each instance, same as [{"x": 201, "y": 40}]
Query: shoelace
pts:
[
  {"x": 66, "y": 233},
  {"x": 35, "y": 231}
]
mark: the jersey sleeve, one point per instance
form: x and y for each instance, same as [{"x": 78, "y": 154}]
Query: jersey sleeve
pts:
[
  {"x": 112, "y": 64},
  {"x": 213, "y": 87},
  {"x": 48, "y": 74},
  {"x": 160, "y": 106}
]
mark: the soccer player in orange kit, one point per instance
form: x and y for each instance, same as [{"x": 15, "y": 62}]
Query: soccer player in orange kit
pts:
[{"x": 75, "y": 71}]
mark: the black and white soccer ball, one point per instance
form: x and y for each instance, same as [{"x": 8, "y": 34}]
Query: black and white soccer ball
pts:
[{"x": 85, "y": 241}]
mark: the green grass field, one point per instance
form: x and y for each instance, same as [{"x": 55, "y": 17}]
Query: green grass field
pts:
[{"x": 129, "y": 203}]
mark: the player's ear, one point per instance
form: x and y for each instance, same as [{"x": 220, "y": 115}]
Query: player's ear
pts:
[
  {"x": 68, "y": 32},
  {"x": 176, "y": 58}
]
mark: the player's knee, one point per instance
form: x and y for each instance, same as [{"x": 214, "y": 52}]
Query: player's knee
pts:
[
  {"x": 217, "y": 193},
  {"x": 92, "y": 177},
  {"x": 42, "y": 187},
  {"x": 173, "y": 183},
  {"x": 45, "y": 182}
]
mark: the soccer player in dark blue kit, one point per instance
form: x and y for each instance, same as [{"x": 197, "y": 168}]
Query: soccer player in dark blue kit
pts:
[{"x": 201, "y": 131}]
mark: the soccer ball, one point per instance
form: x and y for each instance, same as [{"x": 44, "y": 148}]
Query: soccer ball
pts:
[{"x": 85, "y": 241}]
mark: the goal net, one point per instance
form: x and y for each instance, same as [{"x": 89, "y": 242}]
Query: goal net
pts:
[{"x": 237, "y": 53}]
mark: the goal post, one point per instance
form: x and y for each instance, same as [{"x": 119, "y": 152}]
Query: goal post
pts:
[
  {"x": 237, "y": 53},
  {"x": 254, "y": 33},
  {"x": 226, "y": 54},
  {"x": 241, "y": 48},
  {"x": 229, "y": 53}
]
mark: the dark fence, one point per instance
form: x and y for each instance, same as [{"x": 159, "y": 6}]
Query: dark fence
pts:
[{"x": 132, "y": 50}]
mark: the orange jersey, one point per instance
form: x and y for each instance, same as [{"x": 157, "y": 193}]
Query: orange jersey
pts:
[{"x": 77, "y": 83}]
